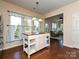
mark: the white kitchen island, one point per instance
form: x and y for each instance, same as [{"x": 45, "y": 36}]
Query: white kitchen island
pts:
[{"x": 35, "y": 42}]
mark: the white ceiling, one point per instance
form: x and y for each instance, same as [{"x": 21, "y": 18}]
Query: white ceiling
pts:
[{"x": 44, "y": 5}]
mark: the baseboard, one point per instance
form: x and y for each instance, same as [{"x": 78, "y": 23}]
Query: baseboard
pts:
[
  {"x": 12, "y": 47},
  {"x": 6, "y": 48},
  {"x": 68, "y": 45}
]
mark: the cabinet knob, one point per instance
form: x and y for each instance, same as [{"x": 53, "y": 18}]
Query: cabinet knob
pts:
[
  {"x": 26, "y": 39},
  {"x": 47, "y": 37}
]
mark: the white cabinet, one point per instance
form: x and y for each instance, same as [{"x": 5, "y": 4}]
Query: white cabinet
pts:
[
  {"x": 34, "y": 43},
  {"x": 40, "y": 42},
  {"x": 29, "y": 44},
  {"x": 43, "y": 41}
]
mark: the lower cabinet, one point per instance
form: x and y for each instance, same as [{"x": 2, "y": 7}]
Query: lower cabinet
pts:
[{"x": 40, "y": 43}]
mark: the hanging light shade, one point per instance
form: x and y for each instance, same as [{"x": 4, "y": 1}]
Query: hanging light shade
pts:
[
  {"x": 40, "y": 20},
  {"x": 34, "y": 18}
]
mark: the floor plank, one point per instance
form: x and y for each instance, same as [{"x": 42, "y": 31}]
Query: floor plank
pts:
[{"x": 55, "y": 51}]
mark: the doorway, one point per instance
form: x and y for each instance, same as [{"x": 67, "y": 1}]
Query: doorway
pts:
[{"x": 54, "y": 26}]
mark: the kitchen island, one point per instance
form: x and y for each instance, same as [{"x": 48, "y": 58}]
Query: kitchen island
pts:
[{"x": 35, "y": 42}]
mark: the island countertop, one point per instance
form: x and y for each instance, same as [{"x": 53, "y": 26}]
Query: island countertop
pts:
[{"x": 34, "y": 33}]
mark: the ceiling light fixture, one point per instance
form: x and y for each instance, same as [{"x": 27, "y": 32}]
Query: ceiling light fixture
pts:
[
  {"x": 36, "y": 5},
  {"x": 40, "y": 20},
  {"x": 34, "y": 18}
]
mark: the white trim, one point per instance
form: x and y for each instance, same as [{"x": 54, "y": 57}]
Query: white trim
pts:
[
  {"x": 5, "y": 48},
  {"x": 68, "y": 45}
]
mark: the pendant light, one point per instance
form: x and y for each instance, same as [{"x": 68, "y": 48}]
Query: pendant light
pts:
[{"x": 34, "y": 18}]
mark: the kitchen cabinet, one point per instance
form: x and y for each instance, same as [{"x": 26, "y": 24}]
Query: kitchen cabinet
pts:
[{"x": 34, "y": 43}]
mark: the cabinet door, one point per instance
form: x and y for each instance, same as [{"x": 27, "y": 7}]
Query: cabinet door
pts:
[{"x": 40, "y": 42}]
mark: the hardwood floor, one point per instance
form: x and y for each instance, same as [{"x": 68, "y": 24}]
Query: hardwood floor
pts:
[{"x": 56, "y": 51}]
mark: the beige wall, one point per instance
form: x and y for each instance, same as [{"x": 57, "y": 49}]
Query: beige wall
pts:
[
  {"x": 68, "y": 11},
  {"x": 8, "y": 6},
  {"x": 0, "y": 6}
]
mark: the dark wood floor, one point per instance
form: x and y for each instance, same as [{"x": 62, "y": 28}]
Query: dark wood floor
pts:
[{"x": 56, "y": 51}]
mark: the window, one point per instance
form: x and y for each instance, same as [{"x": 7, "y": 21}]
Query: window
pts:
[
  {"x": 15, "y": 20},
  {"x": 14, "y": 29},
  {"x": 27, "y": 24},
  {"x": 46, "y": 27},
  {"x": 36, "y": 26},
  {"x": 61, "y": 27},
  {"x": 54, "y": 26},
  {"x": 19, "y": 24}
]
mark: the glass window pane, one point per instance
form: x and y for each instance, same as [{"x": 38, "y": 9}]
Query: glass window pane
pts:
[
  {"x": 54, "y": 26},
  {"x": 36, "y": 26},
  {"x": 14, "y": 29},
  {"x": 15, "y": 20},
  {"x": 46, "y": 27},
  {"x": 27, "y": 24}
]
